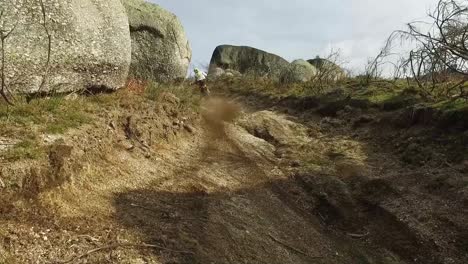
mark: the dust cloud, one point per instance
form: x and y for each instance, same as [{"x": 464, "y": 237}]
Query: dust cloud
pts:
[{"x": 216, "y": 112}]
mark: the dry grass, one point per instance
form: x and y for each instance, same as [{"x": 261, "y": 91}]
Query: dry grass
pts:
[
  {"x": 28, "y": 122},
  {"x": 399, "y": 93},
  {"x": 188, "y": 94}
]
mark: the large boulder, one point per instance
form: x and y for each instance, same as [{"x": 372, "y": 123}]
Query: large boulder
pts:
[
  {"x": 62, "y": 46},
  {"x": 160, "y": 49},
  {"x": 248, "y": 61},
  {"x": 298, "y": 71},
  {"x": 328, "y": 69}
]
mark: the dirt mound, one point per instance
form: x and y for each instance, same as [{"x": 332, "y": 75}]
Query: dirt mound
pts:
[{"x": 273, "y": 128}]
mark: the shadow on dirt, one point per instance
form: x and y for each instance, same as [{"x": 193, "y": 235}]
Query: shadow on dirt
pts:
[
  {"x": 263, "y": 221},
  {"x": 236, "y": 227},
  {"x": 199, "y": 226},
  {"x": 416, "y": 158}
]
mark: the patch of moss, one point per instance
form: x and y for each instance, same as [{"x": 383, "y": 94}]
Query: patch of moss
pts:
[
  {"x": 382, "y": 98},
  {"x": 25, "y": 122},
  {"x": 26, "y": 149},
  {"x": 452, "y": 105},
  {"x": 50, "y": 115},
  {"x": 399, "y": 101},
  {"x": 65, "y": 121},
  {"x": 374, "y": 95}
]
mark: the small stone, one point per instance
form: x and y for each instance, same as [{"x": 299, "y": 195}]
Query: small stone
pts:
[
  {"x": 112, "y": 125},
  {"x": 189, "y": 128},
  {"x": 71, "y": 97},
  {"x": 127, "y": 145},
  {"x": 465, "y": 166},
  {"x": 137, "y": 261}
]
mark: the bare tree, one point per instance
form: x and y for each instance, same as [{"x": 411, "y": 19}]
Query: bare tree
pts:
[
  {"x": 329, "y": 70},
  {"x": 438, "y": 60},
  {"x": 387, "y": 63}
]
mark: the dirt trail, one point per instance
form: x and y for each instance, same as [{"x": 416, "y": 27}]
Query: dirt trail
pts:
[
  {"x": 223, "y": 210},
  {"x": 219, "y": 197},
  {"x": 226, "y": 204}
]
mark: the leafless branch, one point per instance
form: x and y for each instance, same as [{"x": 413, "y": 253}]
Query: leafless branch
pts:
[
  {"x": 439, "y": 54},
  {"x": 115, "y": 246}
]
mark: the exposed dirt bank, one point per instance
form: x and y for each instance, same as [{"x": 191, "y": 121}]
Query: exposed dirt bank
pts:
[
  {"x": 237, "y": 186},
  {"x": 405, "y": 185}
]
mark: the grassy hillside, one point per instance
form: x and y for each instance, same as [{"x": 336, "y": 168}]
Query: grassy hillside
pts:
[
  {"x": 25, "y": 126},
  {"x": 381, "y": 95}
]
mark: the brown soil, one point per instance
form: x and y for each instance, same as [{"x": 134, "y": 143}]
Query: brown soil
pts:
[
  {"x": 241, "y": 187},
  {"x": 405, "y": 185}
]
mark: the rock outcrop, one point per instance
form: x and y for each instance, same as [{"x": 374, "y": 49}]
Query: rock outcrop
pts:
[
  {"x": 62, "y": 46},
  {"x": 160, "y": 49},
  {"x": 217, "y": 72},
  {"x": 247, "y": 61},
  {"x": 298, "y": 71},
  {"x": 328, "y": 69}
]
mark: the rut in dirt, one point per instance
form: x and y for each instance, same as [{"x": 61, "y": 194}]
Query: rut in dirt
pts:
[
  {"x": 225, "y": 208},
  {"x": 230, "y": 204}
]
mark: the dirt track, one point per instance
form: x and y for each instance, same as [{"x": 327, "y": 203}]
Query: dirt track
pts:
[
  {"x": 219, "y": 196},
  {"x": 228, "y": 202}
]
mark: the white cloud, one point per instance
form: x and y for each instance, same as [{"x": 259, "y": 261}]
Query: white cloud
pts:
[{"x": 295, "y": 28}]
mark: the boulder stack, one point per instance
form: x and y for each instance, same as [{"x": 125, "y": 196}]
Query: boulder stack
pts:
[
  {"x": 247, "y": 61},
  {"x": 298, "y": 71},
  {"x": 160, "y": 49}
]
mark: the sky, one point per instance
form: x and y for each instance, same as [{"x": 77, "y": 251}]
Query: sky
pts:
[{"x": 295, "y": 29}]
